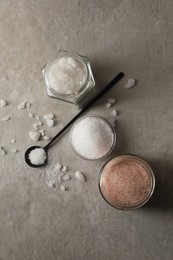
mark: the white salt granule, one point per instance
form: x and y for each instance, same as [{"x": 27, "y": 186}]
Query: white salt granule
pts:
[
  {"x": 22, "y": 105},
  {"x": 35, "y": 136},
  {"x": 38, "y": 117},
  {"x": 49, "y": 116},
  {"x": 37, "y": 156},
  {"x": 50, "y": 122},
  {"x": 13, "y": 141},
  {"x": 7, "y": 118},
  {"x": 80, "y": 176},
  {"x": 67, "y": 75},
  {"x": 108, "y": 105},
  {"x": 2, "y": 151},
  {"x": 64, "y": 168},
  {"x": 114, "y": 112},
  {"x": 28, "y": 105},
  {"x": 130, "y": 83},
  {"x": 3, "y": 103},
  {"x": 92, "y": 137},
  {"x": 14, "y": 151},
  {"x": 42, "y": 132},
  {"x": 58, "y": 166},
  {"x": 111, "y": 100},
  {"x": 46, "y": 138},
  {"x": 31, "y": 115},
  {"x": 62, "y": 188},
  {"x": 66, "y": 177}
]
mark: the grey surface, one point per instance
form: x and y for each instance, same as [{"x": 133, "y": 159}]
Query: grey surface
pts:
[{"x": 37, "y": 222}]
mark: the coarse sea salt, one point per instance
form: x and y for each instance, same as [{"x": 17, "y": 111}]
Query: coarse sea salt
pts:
[
  {"x": 130, "y": 83},
  {"x": 31, "y": 115},
  {"x": 22, "y": 105},
  {"x": 49, "y": 116},
  {"x": 67, "y": 75},
  {"x": 50, "y": 122},
  {"x": 2, "y": 151},
  {"x": 37, "y": 156},
  {"x": 35, "y": 136},
  {"x": 7, "y": 118},
  {"x": 3, "y": 103},
  {"x": 13, "y": 141},
  {"x": 114, "y": 112},
  {"x": 80, "y": 176},
  {"x": 92, "y": 137},
  {"x": 108, "y": 105}
]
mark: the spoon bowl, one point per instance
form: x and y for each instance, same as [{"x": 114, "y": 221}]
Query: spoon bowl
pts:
[{"x": 28, "y": 160}]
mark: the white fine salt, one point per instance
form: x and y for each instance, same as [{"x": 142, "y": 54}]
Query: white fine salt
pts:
[
  {"x": 130, "y": 83},
  {"x": 67, "y": 75},
  {"x": 80, "y": 176},
  {"x": 3, "y": 103},
  {"x": 37, "y": 156},
  {"x": 92, "y": 137}
]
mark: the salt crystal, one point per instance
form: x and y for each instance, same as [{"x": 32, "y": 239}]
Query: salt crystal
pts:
[
  {"x": 31, "y": 115},
  {"x": 64, "y": 168},
  {"x": 2, "y": 151},
  {"x": 28, "y": 105},
  {"x": 7, "y": 118},
  {"x": 108, "y": 105},
  {"x": 37, "y": 156},
  {"x": 38, "y": 117},
  {"x": 49, "y": 116},
  {"x": 14, "y": 151},
  {"x": 130, "y": 83},
  {"x": 13, "y": 141},
  {"x": 62, "y": 188},
  {"x": 66, "y": 177},
  {"x": 111, "y": 100},
  {"x": 22, "y": 105},
  {"x": 80, "y": 176},
  {"x": 42, "y": 132},
  {"x": 3, "y": 103},
  {"x": 50, "y": 122},
  {"x": 114, "y": 112},
  {"x": 58, "y": 166},
  {"x": 51, "y": 184},
  {"x": 46, "y": 138},
  {"x": 35, "y": 136},
  {"x": 92, "y": 137}
]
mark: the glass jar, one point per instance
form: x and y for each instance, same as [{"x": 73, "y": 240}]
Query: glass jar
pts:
[
  {"x": 126, "y": 182},
  {"x": 69, "y": 77},
  {"x": 85, "y": 140}
]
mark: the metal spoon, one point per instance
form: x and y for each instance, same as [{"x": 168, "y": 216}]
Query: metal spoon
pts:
[{"x": 46, "y": 148}]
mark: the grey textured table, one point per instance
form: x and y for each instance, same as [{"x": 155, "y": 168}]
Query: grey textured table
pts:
[{"x": 40, "y": 223}]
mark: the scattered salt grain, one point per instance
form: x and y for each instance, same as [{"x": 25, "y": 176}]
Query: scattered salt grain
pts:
[
  {"x": 66, "y": 177},
  {"x": 37, "y": 156},
  {"x": 111, "y": 101},
  {"x": 80, "y": 176},
  {"x": 14, "y": 151},
  {"x": 62, "y": 188},
  {"x": 31, "y": 115},
  {"x": 46, "y": 138},
  {"x": 58, "y": 166},
  {"x": 49, "y": 116},
  {"x": 42, "y": 132},
  {"x": 2, "y": 151},
  {"x": 50, "y": 122},
  {"x": 92, "y": 137},
  {"x": 3, "y": 103},
  {"x": 7, "y": 118},
  {"x": 13, "y": 141},
  {"x": 38, "y": 117},
  {"x": 51, "y": 184},
  {"x": 114, "y": 112},
  {"x": 108, "y": 105},
  {"x": 28, "y": 105},
  {"x": 130, "y": 83},
  {"x": 35, "y": 136},
  {"x": 22, "y": 105},
  {"x": 64, "y": 168}
]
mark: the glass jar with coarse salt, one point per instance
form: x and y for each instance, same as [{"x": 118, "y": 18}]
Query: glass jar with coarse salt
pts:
[{"x": 68, "y": 77}]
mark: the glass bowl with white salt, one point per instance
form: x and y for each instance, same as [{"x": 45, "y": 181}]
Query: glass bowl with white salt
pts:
[
  {"x": 92, "y": 137},
  {"x": 69, "y": 77}
]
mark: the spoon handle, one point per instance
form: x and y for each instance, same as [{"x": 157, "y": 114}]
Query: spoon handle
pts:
[{"x": 101, "y": 93}]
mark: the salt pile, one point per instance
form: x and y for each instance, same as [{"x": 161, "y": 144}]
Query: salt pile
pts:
[{"x": 37, "y": 156}]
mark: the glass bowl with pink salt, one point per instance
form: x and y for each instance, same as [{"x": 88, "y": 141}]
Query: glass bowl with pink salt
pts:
[
  {"x": 92, "y": 137},
  {"x": 126, "y": 182}
]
